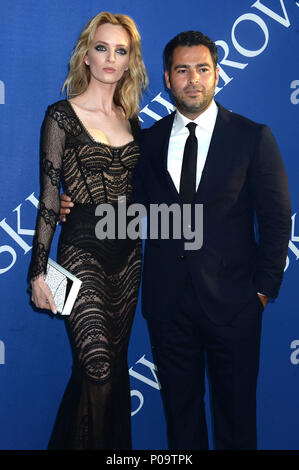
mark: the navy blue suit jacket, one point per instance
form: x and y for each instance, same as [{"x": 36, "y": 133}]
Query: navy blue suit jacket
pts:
[{"x": 243, "y": 178}]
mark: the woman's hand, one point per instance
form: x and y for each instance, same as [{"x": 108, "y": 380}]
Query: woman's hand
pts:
[{"x": 41, "y": 295}]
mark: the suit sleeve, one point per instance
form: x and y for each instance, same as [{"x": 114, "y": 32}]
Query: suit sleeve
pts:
[{"x": 270, "y": 193}]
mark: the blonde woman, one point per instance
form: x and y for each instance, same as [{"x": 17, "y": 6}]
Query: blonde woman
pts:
[{"x": 88, "y": 142}]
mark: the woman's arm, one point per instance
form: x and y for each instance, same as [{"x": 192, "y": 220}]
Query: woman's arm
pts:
[{"x": 52, "y": 147}]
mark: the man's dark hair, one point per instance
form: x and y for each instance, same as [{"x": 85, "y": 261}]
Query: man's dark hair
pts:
[{"x": 189, "y": 38}]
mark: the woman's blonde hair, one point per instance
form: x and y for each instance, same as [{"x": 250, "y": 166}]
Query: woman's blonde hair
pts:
[{"x": 133, "y": 82}]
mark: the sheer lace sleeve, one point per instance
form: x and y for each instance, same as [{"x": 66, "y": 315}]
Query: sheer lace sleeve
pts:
[{"x": 52, "y": 147}]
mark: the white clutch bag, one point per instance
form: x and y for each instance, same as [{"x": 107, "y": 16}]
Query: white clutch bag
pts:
[{"x": 63, "y": 285}]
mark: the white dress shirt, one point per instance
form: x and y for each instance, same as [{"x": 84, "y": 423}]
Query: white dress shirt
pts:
[{"x": 204, "y": 130}]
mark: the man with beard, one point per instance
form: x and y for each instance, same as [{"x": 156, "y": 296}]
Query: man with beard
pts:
[{"x": 204, "y": 306}]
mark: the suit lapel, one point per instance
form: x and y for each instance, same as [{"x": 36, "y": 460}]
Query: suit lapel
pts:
[
  {"x": 163, "y": 142},
  {"x": 217, "y": 163}
]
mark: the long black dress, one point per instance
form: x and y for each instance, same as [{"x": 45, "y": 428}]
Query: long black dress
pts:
[{"x": 95, "y": 410}]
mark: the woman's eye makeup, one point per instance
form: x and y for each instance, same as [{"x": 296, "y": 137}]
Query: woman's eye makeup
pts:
[
  {"x": 122, "y": 51},
  {"x": 102, "y": 48}
]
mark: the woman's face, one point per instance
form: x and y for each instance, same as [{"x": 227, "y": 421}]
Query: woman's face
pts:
[{"x": 109, "y": 53}]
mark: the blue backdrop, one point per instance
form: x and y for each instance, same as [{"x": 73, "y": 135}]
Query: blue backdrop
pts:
[{"x": 259, "y": 78}]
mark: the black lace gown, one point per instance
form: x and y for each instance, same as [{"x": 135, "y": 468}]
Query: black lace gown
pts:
[{"x": 95, "y": 410}]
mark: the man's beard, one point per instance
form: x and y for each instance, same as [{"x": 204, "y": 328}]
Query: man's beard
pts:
[{"x": 197, "y": 107}]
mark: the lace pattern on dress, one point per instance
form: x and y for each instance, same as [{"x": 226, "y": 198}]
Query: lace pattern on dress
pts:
[
  {"x": 53, "y": 173},
  {"x": 65, "y": 121},
  {"x": 39, "y": 260},
  {"x": 50, "y": 217}
]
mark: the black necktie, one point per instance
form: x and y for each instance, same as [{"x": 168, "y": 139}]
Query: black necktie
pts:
[{"x": 188, "y": 174}]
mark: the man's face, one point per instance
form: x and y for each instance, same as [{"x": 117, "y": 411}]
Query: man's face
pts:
[{"x": 192, "y": 79}]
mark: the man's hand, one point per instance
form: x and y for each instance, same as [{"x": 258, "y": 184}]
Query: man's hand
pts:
[
  {"x": 263, "y": 299},
  {"x": 65, "y": 206}
]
